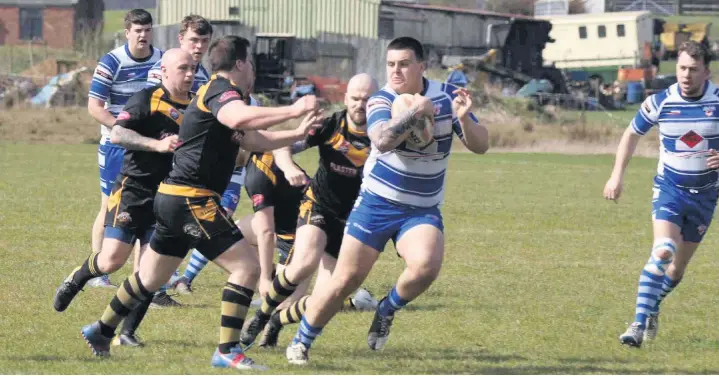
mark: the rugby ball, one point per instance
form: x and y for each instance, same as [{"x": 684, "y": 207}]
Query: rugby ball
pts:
[{"x": 418, "y": 138}]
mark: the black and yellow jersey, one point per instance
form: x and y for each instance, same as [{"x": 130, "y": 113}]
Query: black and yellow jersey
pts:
[
  {"x": 206, "y": 158},
  {"x": 343, "y": 153},
  {"x": 152, "y": 113}
]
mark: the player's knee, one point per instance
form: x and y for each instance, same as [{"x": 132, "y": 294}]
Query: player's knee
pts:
[
  {"x": 347, "y": 283},
  {"x": 111, "y": 261},
  {"x": 427, "y": 271},
  {"x": 662, "y": 255}
]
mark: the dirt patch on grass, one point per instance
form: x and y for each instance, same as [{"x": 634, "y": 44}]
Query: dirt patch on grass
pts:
[{"x": 52, "y": 126}]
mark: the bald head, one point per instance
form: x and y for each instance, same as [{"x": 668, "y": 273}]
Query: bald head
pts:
[
  {"x": 178, "y": 71},
  {"x": 359, "y": 89}
]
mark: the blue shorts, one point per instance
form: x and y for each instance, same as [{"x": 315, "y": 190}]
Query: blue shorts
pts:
[
  {"x": 129, "y": 235},
  {"x": 374, "y": 220},
  {"x": 692, "y": 212},
  {"x": 109, "y": 158},
  {"x": 231, "y": 196}
]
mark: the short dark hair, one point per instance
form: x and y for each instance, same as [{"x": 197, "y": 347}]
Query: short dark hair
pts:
[
  {"x": 195, "y": 23},
  {"x": 697, "y": 51},
  {"x": 224, "y": 52},
  {"x": 407, "y": 43},
  {"x": 137, "y": 17}
]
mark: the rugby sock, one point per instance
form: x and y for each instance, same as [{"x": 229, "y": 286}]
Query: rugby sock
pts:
[
  {"x": 129, "y": 296},
  {"x": 650, "y": 286},
  {"x": 133, "y": 320},
  {"x": 235, "y": 302},
  {"x": 668, "y": 285},
  {"x": 87, "y": 271},
  {"x": 195, "y": 266},
  {"x": 292, "y": 314},
  {"x": 306, "y": 333},
  {"x": 391, "y": 303},
  {"x": 163, "y": 289},
  {"x": 281, "y": 289}
]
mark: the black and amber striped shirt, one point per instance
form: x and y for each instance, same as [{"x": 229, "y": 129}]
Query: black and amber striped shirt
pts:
[
  {"x": 207, "y": 155},
  {"x": 152, "y": 113}
]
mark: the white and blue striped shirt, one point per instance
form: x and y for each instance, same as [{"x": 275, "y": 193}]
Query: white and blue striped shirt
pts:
[
  {"x": 117, "y": 77},
  {"x": 404, "y": 175},
  {"x": 688, "y": 128},
  {"x": 154, "y": 77}
]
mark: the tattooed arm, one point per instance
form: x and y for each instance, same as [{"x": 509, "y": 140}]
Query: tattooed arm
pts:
[
  {"x": 388, "y": 134},
  {"x": 132, "y": 140}
]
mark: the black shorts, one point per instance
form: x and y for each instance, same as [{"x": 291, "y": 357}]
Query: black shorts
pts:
[
  {"x": 129, "y": 213},
  {"x": 267, "y": 187},
  {"x": 191, "y": 218},
  {"x": 312, "y": 213},
  {"x": 285, "y": 248}
]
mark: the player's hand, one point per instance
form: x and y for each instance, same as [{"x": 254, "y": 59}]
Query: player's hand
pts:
[
  {"x": 613, "y": 189},
  {"x": 713, "y": 160},
  {"x": 311, "y": 122},
  {"x": 296, "y": 177},
  {"x": 423, "y": 104},
  {"x": 306, "y": 104},
  {"x": 168, "y": 144},
  {"x": 462, "y": 103},
  {"x": 265, "y": 286}
]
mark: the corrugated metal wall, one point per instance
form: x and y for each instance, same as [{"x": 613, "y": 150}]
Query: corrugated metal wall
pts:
[{"x": 304, "y": 18}]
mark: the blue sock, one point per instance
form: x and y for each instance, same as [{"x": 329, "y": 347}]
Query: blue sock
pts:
[
  {"x": 392, "y": 303},
  {"x": 668, "y": 285},
  {"x": 195, "y": 266},
  {"x": 650, "y": 286},
  {"x": 306, "y": 333}
]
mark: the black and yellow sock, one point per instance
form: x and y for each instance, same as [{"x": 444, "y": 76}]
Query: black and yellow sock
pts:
[
  {"x": 130, "y": 294},
  {"x": 235, "y": 302},
  {"x": 87, "y": 271},
  {"x": 133, "y": 320},
  {"x": 292, "y": 314},
  {"x": 281, "y": 289}
]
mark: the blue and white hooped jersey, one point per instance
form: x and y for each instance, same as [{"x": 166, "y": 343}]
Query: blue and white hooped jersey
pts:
[
  {"x": 154, "y": 77},
  {"x": 687, "y": 130},
  {"x": 406, "y": 175},
  {"x": 117, "y": 77}
]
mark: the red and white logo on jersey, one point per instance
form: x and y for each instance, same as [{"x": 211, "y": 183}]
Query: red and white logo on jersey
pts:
[
  {"x": 124, "y": 115},
  {"x": 691, "y": 139},
  {"x": 174, "y": 114},
  {"x": 708, "y": 110},
  {"x": 229, "y": 95},
  {"x": 437, "y": 108},
  {"x": 155, "y": 76},
  {"x": 257, "y": 199}
]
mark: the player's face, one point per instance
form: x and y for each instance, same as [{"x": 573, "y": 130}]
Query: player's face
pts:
[
  {"x": 404, "y": 72},
  {"x": 691, "y": 75},
  {"x": 356, "y": 101},
  {"x": 139, "y": 36},
  {"x": 195, "y": 44},
  {"x": 180, "y": 73},
  {"x": 244, "y": 75}
]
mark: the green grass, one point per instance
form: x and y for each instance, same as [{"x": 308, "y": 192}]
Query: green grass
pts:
[{"x": 539, "y": 277}]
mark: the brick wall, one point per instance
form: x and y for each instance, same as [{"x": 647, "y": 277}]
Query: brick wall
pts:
[
  {"x": 58, "y": 27},
  {"x": 58, "y": 24}
]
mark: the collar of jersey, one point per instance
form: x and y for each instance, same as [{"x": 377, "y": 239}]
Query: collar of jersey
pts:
[
  {"x": 694, "y": 99},
  {"x": 127, "y": 50},
  {"x": 185, "y": 101},
  {"x": 215, "y": 76}
]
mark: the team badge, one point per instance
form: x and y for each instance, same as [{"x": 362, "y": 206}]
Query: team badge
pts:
[
  {"x": 174, "y": 114},
  {"x": 708, "y": 110},
  {"x": 257, "y": 200}
]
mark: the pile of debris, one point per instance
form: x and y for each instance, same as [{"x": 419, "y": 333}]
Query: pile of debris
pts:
[{"x": 15, "y": 90}]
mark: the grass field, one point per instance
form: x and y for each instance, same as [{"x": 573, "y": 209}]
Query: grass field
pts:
[{"x": 539, "y": 277}]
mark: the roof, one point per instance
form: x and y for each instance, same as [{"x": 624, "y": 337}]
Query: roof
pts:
[
  {"x": 596, "y": 17},
  {"x": 454, "y": 10},
  {"x": 39, "y": 3}
]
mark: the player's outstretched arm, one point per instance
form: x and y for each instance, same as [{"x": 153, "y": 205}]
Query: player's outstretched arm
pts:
[
  {"x": 388, "y": 134},
  {"x": 627, "y": 145},
  {"x": 132, "y": 140},
  {"x": 475, "y": 136},
  {"x": 262, "y": 140},
  {"x": 238, "y": 115}
]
